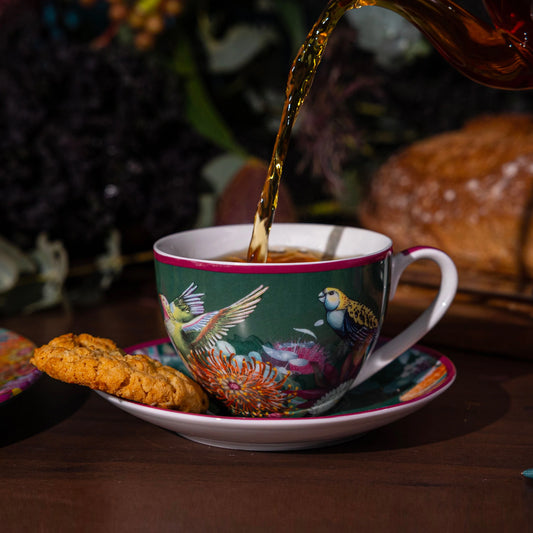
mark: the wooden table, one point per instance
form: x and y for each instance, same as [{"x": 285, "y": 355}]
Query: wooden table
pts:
[{"x": 70, "y": 461}]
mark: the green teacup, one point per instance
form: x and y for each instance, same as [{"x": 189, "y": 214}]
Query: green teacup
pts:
[{"x": 287, "y": 339}]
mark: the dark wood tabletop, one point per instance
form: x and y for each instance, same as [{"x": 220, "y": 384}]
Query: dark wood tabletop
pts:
[{"x": 70, "y": 461}]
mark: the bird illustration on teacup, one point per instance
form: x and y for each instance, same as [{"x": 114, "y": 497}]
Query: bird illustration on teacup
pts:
[
  {"x": 351, "y": 320},
  {"x": 194, "y": 330}
]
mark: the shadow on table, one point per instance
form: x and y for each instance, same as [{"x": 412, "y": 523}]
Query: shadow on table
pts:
[
  {"x": 476, "y": 400},
  {"x": 44, "y": 405}
]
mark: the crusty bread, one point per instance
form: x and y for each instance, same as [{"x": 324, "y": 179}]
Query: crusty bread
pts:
[
  {"x": 468, "y": 192},
  {"x": 99, "y": 364}
]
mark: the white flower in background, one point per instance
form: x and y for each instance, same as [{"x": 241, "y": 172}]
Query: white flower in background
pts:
[{"x": 392, "y": 39}]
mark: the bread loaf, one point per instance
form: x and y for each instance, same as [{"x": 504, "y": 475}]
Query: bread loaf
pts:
[{"x": 468, "y": 192}]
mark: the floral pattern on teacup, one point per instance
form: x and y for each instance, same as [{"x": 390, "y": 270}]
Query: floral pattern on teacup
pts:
[{"x": 286, "y": 377}]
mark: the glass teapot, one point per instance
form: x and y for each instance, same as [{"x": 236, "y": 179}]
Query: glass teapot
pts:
[{"x": 495, "y": 50}]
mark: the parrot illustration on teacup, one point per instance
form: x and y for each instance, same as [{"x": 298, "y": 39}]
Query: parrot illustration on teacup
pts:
[{"x": 351, "y": 320}]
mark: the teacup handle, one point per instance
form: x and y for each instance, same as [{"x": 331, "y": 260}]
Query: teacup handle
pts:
[{"x": 393, "y": 348}]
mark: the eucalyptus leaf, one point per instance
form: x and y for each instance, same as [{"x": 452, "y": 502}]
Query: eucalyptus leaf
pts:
[
  {"x": 201, "y": 112},
  {"x": 221, "y": 169},
  {"x": 13, "y": 262},
  {"x": 9, "y": 272},
  {"x": 292, "y": 16},
  {"x": 24, "y": 263},
  {"x": 237, "y": 48},
  {"x": 53, "y": 261},
  {"x": 217, "y": 173}
]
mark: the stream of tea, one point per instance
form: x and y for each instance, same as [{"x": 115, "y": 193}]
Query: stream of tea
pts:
[
  {"x": 301, "y": 78},
  {"x": 498, "y": 56}
]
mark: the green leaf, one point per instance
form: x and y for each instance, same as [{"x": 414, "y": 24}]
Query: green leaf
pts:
[
  {"x": 291, "y": 15},
  {"x": 201, "y": 111}
]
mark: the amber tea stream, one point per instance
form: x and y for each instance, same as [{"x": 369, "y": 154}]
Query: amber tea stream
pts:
[{"x": 498, "y": 55}]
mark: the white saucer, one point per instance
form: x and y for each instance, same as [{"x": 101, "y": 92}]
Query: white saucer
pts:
[{"x": 413, "y": 380}]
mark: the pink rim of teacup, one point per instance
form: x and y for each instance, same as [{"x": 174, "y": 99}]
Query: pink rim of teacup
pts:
[
  {"x": 346, "y": 260},
  {"x": 451, "y": 374},
  {"x": 264, "y": 268}
]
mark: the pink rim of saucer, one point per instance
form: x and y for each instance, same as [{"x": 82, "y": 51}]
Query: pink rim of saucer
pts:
[
  {"x": 271, "y": 268},
  {"x": 446, "y": 382}
]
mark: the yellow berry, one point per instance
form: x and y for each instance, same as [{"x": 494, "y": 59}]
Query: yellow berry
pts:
[
  {"x": 136, "y": 19},
  {"x": 118, "y": 12},
  {"x": 154, "y": 24},
  {"x": 144, "y": 40},
  {"x": 173, "y": 7}
]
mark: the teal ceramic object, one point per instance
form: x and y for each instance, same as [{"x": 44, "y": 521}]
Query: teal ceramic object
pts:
[{"x": 282, "y": 340}]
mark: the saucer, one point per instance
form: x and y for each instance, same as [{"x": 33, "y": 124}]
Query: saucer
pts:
[
  {"x": 16, "y": 372},
  {"x": 414, "y": 379}
]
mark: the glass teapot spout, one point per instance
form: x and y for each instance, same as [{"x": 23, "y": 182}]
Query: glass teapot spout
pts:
[{"x": 496, "y": 50}]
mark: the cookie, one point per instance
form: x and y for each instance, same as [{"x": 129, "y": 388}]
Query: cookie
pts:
[{"x": 99, "y": 364}]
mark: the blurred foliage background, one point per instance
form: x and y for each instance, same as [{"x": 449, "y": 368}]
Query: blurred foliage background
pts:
[{"x": 124, "y": 120}]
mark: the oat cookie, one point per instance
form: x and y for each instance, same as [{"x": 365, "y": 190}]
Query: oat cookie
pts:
[{"x": 99, "y": 364}]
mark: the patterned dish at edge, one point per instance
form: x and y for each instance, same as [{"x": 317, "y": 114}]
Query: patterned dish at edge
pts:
[
  {"x": 16, "y": 372},
  {"x": 404, "y": 386}
]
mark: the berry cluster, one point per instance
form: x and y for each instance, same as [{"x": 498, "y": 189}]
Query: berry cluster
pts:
[{"x": 146, "y": 18}]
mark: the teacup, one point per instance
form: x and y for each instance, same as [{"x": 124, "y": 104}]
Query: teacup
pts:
[{"x": 287, "y": 339}]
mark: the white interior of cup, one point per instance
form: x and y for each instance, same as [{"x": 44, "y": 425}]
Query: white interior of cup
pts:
[{"x": 217, "y": 241}]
